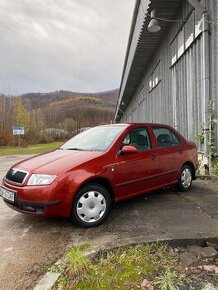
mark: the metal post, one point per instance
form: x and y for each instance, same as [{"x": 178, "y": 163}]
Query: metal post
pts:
[
  {"x": 206, "y": 88},
  {"x": 19, "y": 140}
]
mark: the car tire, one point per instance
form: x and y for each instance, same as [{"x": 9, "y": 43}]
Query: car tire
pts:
[
  {"x": 185, "y": 179},
  {"x": 91, "y": 205}
]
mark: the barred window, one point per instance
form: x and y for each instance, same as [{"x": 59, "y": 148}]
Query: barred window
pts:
[{"x": 154, "y": 77}]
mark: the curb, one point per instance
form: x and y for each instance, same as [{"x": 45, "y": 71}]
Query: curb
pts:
[
  {"x": 207, "y": 177},
  {"x": 48, "y": 281},
  {"x": 50, "y": 278}
]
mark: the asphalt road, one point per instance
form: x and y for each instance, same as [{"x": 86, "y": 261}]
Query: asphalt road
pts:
[{"x": 29, "y": 245}]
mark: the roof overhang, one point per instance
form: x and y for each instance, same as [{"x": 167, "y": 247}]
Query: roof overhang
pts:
[{"x": 142, "y": 45}]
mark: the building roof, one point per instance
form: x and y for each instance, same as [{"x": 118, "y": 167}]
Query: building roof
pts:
[{"x": 142, "y": 45}]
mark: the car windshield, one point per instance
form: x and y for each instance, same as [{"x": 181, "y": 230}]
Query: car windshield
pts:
[{"x": 95, "y": 139}]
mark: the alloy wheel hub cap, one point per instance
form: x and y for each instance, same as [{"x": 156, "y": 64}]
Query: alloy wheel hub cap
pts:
[{"x": 186, "y": 178}]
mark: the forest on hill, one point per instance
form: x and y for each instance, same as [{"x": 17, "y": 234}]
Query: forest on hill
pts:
[{"x": 53, "y": 116}]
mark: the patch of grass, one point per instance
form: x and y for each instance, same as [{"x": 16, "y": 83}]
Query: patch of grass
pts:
[
  {"x": 62, "y": 283},
  {"x": 170, "y": 280},
  {"x": 124, "y": 268},
  {"x": 31, "y": 149},
  {"x": 76, "y": 260}
]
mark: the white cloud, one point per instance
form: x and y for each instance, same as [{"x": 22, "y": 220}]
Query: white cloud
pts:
[{"x": 54, "y": 44}]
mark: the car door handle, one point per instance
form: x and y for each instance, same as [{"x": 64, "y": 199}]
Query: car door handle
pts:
[
  {"x": 181, "y": 152},
  {"x": 153, "y": 156}
]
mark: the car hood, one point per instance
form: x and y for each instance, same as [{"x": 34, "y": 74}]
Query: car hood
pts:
[{"x": 56, "y": 161}]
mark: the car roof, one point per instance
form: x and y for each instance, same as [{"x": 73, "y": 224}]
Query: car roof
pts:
[{"x": 135, "y": 125}]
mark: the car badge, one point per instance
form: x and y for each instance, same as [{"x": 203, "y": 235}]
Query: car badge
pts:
[{"x": 13, "y": 171}]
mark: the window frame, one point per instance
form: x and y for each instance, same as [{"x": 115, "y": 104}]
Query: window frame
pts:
[
  {"x": 148, "y": 136},
  {"x": 172, "y": 132},
  {"x": 154, "y": 78}
]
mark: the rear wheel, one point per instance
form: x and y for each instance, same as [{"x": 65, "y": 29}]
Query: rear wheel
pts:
[
  {"x": 91, "y": 205},
  {"x": 185, "y": 178}
]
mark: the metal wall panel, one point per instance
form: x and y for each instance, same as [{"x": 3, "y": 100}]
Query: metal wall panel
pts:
[
  {"x": 212, "y": 6},
  {"x": 187, "y": 92}
]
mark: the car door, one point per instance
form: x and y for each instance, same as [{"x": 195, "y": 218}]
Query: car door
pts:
[
  {"x": 135, "y": 172},
  {"x": 170, "y": 154}
]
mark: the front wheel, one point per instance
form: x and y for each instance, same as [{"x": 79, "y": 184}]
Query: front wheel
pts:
[
  {"x": 91, "y": 205},
  {"x": 185, "y": 178}
]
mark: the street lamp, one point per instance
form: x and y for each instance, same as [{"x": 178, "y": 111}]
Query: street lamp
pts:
[{"x": 153, "y": 25}]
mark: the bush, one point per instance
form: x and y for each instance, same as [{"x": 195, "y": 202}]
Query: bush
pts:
[{"x": 6, "y": 138}]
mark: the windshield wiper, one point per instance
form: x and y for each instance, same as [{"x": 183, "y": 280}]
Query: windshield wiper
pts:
[{"x": 77, "y": 149}]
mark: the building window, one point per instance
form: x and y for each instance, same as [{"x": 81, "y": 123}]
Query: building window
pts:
[
  {"x": 154, "y": 77},
  {"x": 184, "y": 38}
]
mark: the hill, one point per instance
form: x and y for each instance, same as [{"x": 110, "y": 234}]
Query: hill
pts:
[
  {"x": 37, "y": 100},
  {"x": 64, "y": 110}
]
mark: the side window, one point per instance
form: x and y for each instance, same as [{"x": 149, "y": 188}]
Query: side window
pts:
[
  {"x": 165, "y": 137},
  {"x": 138, "y": 138}
]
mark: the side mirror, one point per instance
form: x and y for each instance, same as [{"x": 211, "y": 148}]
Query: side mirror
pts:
[{"x": 128, "y": 150}]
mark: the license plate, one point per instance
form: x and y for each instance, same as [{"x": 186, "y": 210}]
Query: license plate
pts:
[{"x": 7, "y": 194}]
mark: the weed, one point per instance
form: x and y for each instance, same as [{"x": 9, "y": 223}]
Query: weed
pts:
[
  {"x": 170, "y": 280},
  {"x": 215, "y": 165},
  {"x": 77, "y": 262},
  {"x": 55, "y": 269},
  {"x": 62, "y": 283}
]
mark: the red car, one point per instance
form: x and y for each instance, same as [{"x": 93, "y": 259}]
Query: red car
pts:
[{"x": 102, "y": 165}]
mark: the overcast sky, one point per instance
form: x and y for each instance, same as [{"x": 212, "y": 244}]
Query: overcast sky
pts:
[{"x": 78, "y": 45}]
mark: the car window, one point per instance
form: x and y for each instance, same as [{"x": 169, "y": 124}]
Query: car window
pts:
[
  {"x": 165, "y": 137},
  {"x": 95, "y": 139},
  {"x": 138, "y": 138}
]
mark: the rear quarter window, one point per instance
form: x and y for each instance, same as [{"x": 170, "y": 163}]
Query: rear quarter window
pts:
[{"x": 165, "y": 137}]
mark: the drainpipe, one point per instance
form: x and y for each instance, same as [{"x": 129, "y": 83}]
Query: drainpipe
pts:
[{"x": 206, "y": 88}]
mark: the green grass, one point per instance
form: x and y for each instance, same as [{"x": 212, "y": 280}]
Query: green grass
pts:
[
  {"x": 31, "y": 149},
  {"x": 124, "y": 268}
]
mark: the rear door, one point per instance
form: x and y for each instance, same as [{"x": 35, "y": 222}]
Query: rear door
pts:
[
  {"x": 170, "y": 154},
  {"x": 135, "y": 172}
]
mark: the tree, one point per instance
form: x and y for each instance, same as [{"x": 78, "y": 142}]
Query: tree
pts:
[
  {"x": 6, "y": 117},
  {"x": 21, "y": 116}
]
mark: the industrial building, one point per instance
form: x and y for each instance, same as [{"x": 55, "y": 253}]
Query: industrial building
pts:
[{"x": 170, "y": 69}]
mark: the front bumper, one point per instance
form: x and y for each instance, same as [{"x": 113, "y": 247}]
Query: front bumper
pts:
[
  {"x": 38, "y": 208},
  {"x": 50, "y": 200}
]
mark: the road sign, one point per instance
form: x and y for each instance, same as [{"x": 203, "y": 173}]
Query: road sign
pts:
[{"x": 18, "y": 130}]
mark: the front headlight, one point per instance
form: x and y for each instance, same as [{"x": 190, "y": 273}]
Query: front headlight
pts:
[{"x": 41, "y": 179}]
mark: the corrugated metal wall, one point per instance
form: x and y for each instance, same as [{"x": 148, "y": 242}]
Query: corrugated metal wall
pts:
[
  {"x": 212, "y": 6},
  {"x": 187, "y": 91},
  {"x": 177, "y": 98}
]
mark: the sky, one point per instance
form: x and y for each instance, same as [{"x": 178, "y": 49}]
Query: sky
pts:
[{"x": 49, "y": 45}]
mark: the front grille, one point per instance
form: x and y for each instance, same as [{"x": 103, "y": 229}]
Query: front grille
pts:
[{"x": 16, "y": 176}]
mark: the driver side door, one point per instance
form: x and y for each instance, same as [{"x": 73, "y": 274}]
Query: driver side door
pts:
[{"x": 135, "y": 172}]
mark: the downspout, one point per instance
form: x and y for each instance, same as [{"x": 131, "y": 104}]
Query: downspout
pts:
[{"x": 206, "y": 88}]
